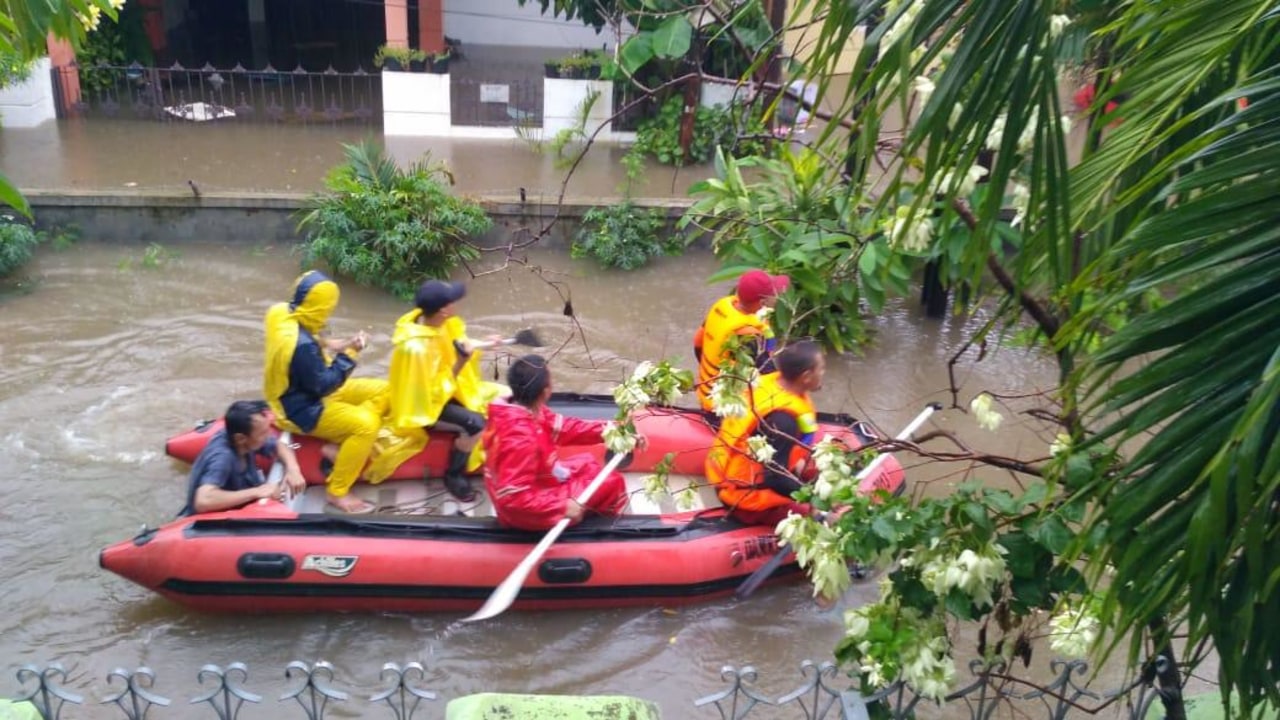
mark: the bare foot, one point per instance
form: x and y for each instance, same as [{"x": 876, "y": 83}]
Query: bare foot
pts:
[{"x": 350, "y": 504}]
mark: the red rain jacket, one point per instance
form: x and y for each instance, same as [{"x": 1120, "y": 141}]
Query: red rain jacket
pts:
[{"x": 521, "y": 461}]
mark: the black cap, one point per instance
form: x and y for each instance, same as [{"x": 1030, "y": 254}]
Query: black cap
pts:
[{"x": 435, "y": 294}]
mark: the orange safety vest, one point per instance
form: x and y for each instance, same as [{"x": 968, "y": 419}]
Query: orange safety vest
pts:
[
  {"x": 723, "y": 321},
  {"x": 738, "y": 477}
]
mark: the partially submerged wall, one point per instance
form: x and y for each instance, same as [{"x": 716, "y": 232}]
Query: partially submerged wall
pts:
[{"x": 168, "y": 218}]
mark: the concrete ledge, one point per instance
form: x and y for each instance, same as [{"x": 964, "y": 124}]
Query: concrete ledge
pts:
[{"x": 167, "y": 217}]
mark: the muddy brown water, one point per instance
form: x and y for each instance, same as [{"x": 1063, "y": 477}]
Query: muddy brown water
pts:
[{"x": 103, "y": 357}]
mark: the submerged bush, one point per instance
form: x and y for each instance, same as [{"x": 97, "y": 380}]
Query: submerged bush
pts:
[
  {"x": 735, "y": 128},
  {"x": 625, "y": 236},
  {"x": 387, "y": 227},
  {"x": 17, "y": 242}
]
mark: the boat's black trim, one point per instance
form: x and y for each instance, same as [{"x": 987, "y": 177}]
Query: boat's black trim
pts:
[
  {"x": 463, "y": 529},
  {"x": 200, "y": 588}
]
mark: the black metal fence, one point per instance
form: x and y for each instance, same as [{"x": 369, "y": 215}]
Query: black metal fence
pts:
[
  {"x": 823, "y": 693},
  {"x": 209, "y": 94},
  {"x": 499, "y": 103}
]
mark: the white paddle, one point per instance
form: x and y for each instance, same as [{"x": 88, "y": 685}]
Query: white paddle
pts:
[{"x": 506, "y": 593}]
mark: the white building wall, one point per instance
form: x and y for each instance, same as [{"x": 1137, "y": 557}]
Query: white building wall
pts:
[
  {"x": 30, "y": 102},
  {"x": 504, "y": 22}
]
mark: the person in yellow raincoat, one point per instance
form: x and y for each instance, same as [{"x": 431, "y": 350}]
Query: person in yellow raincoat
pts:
[
  {"x": 307, "y": 383},
  {"x": 435, "y": 382}
]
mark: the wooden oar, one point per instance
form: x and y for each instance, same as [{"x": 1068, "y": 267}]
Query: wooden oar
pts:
[
  {"x": 505, "y": 594},
  {"x": 757, "y": 578},
  {"x": 526, "y": 337}
]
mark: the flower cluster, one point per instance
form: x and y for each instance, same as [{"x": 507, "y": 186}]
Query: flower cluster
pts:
[
  {"x": 649, "y": 383},
  {"x": 1074, "y": 631},
  {"x": 91, "y": 18},
  {"x": 729, "y": 395},
  {"x": 835, "y": 471},
  {"x": 901, "y": 26},
  {"x": 909, "y": 229},
  {"x": 889, "y": 640},
  {"x": 973, "y": 572},
  {"x": 988, "y": 419},
  {"x": 819, "y": 551},
  {"x": 760, "y": 449}
]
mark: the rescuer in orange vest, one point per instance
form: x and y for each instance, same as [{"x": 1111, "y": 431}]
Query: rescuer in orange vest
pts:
[
  {"x": 736, "y": 314},
  {"x": 756, "y": 491}
]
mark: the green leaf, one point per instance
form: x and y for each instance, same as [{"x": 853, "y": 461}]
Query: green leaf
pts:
[
  {"x": 635, "y": 52},
  {"x": 673, "y": 37},
  {"x": 1052, "y": 533},
  {"x": 10, "y": 196}
]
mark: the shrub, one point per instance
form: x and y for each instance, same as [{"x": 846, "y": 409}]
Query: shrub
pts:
[
  {"x": 735, "y": 128},
  {"x": 387, "y": 227},
  {"x": 17, "y": 242},
  {"x": 625, "y": 236}
]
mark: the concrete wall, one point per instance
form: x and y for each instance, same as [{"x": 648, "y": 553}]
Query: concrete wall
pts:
[
  {"x": 30, "y": 102},
  {"x": 504, "y": 22},
  {"x": 170, "y": 219},
  {"x": 415, "y": 104}
]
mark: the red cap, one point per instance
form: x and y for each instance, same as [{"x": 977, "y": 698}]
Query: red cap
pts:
[{"x": 757, "y": 285}]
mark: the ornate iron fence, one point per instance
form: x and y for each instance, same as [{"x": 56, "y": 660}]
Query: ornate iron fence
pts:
[
  {"x": 208, "y": 93},
  {"x": 822, "y": 694}
]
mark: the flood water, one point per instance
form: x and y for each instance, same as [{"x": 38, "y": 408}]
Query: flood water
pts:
[{"x": 103, "y": 357}]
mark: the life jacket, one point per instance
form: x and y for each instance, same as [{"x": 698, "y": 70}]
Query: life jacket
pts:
[
  {"x": 736, "y": 475},
  {"x": 723, "y": 321}
]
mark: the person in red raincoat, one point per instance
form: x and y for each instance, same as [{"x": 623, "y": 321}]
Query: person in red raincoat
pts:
[{"x": 530, "y": 485}]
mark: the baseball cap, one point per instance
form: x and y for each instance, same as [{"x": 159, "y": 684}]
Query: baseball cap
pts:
[
  {"x": 435, "y": 294},
  {"x": 757, "y": 285}
]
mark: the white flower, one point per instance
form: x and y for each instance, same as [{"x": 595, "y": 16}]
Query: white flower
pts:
[
  {"x": 728, "y": 396},
  {"x": 1060, "y": 444},
  {"x": 1074, "y": 631},
  {"x": 1027, "y": 139},
  {"x": 630, "y": 397},
  {"x": 823, "y": 487},
  {"x": 655, "y": 487},
  {"x": 987, "y": 418},
  {"x": 975, "y": 573},
  {"x": 116, "y": 4},
  {"x": 929, "y": 669},
  {"x": 789, "y": 529},
  {"x": 91, "y": 19},
  {"x": 764, "y": 313},
  {"x": 954, "y": 117},
  {"x": 909, "y": 231},
  {"x": 1021, "y": 199},
  {"x": 967, "y": 184},
  {"x": 760, "y": 449},
  {"x": 619, "y": 438},
  {"x": 642, "y": 371},
  {"x": 996, "y": 134},
  {"x": 923, "y": 88},
  {"x": 856, "y": 624},
  {"x": 1058, "y": 24},
  {"x": 1065, "y": 121}
]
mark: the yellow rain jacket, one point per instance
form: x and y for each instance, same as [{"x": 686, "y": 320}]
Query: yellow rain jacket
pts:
[
  {"x": 422, "y": 382},
  {"x": 298, "y": 371}
]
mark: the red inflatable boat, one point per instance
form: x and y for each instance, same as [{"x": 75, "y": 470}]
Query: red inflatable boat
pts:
[{"x": 423, "y": 551}]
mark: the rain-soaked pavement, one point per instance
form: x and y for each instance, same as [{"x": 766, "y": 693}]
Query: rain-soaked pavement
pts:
[{"x": 140, "y": 156}]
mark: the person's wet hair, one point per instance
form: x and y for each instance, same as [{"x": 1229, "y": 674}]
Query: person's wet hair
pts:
[
  {"x": 797, "y": 358},
  {"x": 528, "y": 377},
  {"x": 239, "y": 417}
]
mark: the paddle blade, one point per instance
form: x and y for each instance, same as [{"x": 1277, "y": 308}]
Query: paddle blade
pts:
[
  {"x": 529, "y": 338},
  {"x": 765, "y": 571}
]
